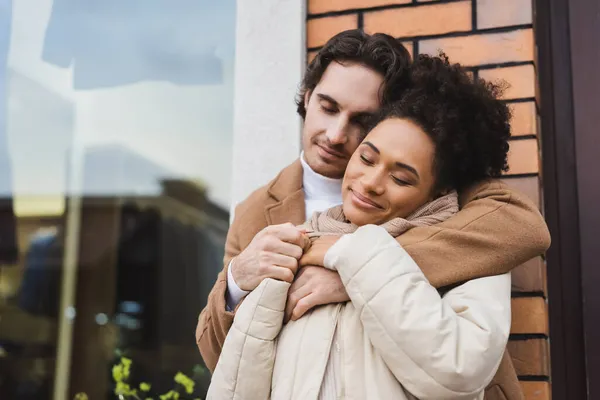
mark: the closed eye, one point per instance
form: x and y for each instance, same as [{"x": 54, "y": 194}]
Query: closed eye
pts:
[
  {"x": 400, "y": 181},
  {"x": 366, "y": 160},
  {"x": 328, "y": 110},
  {"x": 361, "y": 121}
]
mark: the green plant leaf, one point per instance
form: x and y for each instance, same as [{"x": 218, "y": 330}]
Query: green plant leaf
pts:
[
  {"x": 145, "y": 387},
  {"x": 186, "y": 382},
  {"x": 117, "y": 373}
]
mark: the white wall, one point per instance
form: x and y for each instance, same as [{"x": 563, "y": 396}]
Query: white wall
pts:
[{"x": 269, "y": 63}]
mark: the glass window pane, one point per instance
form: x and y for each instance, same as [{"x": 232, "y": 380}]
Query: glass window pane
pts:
[{"x": 115, "y": 164}]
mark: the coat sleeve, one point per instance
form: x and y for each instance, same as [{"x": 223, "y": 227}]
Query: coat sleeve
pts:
[
  {"x": 437, "y": 348},
  {"x": 496, "y": 230},
  {"x": 215, "y": 321},
  {"x": 245, "y": 368}
]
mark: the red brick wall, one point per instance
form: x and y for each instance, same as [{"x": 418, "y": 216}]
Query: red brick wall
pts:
[{"x": 494, "y": 39}]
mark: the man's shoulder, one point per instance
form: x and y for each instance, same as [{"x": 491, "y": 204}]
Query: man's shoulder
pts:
[
  {"x": 287, "y": 181},
  {"x": 252, "y": 203},
  {"x": 491, "y": 187}
]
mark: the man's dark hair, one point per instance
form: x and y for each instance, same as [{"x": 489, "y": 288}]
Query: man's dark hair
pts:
[
  {"x": 380, "y": 52},
  {"x": 464, "y": 117}
]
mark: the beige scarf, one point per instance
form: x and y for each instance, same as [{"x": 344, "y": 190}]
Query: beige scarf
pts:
[{"x": 334, "y": 222}]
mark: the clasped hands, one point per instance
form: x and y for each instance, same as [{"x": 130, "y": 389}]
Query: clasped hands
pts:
[{"x": 284, "y": 252}]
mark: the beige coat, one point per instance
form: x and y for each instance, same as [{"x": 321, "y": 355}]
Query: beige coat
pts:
[{"x": 397, "y": 338}]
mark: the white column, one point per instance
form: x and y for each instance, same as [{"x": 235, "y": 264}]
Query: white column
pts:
[{"x": 269, "y": 63}]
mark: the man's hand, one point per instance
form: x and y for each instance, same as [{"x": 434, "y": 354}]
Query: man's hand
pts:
[
  {"x": 316, "y": 254},
  {"x": 273, "y": 253},
  {"x": 314, "y": 286}
]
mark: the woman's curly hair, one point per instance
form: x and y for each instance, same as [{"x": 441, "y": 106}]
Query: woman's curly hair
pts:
[{"x": 464, "y": 117}]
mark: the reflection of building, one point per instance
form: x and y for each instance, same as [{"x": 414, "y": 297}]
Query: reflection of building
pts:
[
  {"x": 158, "y": 41},
  {"x": 145, "y": 268},
  {"x": 8, "y": 245},
  {"x": 115, "y": 170}
]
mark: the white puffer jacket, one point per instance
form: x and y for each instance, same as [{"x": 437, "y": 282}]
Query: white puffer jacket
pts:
[{"x": 397, "y": 338}]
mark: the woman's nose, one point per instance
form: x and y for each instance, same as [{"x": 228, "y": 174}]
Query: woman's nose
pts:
[{"x": 373, "y": 181}]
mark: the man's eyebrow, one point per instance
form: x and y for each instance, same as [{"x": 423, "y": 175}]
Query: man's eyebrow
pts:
[
  {"x": 326, "y": 97},
  {"x": 365, "y": 114},
  {"x": 399, "y": 164}
]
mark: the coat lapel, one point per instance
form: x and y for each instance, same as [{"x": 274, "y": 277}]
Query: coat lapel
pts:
[
  {"x": 291, "y": 209},
  {"x": 288, "y": 194}
]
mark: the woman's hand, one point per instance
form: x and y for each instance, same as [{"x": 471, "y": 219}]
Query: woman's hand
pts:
[
  {"x": 316, "y": 254},
  {"x": 314, "y": 286}
]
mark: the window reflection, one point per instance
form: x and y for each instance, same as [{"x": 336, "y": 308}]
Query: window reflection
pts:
[{"x": 115, "y": 152}]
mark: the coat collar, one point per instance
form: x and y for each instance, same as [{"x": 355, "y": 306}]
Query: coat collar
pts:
[{"x": 287, "y": 191}]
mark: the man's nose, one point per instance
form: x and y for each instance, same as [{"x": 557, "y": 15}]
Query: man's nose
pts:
[{"x": 338, "y": 132}]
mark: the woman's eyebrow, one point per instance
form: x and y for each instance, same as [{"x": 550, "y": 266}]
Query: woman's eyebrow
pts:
[
  {"x": 402, "y": 165},
  {"x": 371, "y": 145},
  {"x": 408, "y": 168}
]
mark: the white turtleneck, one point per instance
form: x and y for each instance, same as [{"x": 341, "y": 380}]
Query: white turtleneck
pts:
[{"x": 320, "y": 193}]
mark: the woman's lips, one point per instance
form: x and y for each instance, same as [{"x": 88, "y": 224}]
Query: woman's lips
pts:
[{"x": 364, "y": 202}]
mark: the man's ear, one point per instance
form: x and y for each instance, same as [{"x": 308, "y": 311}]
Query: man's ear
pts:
[{"x": 307, "y": 98}]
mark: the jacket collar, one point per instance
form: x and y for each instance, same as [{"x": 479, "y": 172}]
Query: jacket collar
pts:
[{"x": 287, "y": 191}]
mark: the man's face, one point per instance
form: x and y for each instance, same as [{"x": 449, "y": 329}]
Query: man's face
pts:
[{"x": 336, "y": 112}]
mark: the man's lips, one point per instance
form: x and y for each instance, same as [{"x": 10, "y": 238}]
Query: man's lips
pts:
[
  {"x": 331, "y": 151},
  {"x": 363, "y": 201}
]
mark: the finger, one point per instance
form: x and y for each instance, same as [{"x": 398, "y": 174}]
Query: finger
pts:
[
  {"x": 304, "y": 305},
  {"x": 280, "y": 273},
  {"x": 296, "y": 292},
  {"x": 276, "y": 245},
  {"x": 290, "y": 234},
  {"x": 284, "y": 261}
]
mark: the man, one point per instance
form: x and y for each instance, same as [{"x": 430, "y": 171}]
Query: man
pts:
[{"x": 349, "y": 80}]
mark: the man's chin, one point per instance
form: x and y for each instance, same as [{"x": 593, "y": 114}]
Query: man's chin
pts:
[
  {"x": 325, "y": 167},
  {"x": 330, "y": 171}
]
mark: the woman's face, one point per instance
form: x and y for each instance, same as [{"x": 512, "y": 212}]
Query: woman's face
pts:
[{"x": 390, "y": 175}]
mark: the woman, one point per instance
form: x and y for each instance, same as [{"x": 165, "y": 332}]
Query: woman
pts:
[{"x": 398, "y": 337}]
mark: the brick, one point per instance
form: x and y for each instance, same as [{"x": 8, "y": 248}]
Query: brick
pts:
[
  {"x": 521, "y": 80},
  {"x": 310, "y": 56},
  {"x": 536, "y": 390},
  {"x": 530, "y": 357},
  {"x": 490, "y": 48},
  {"x": 428, "y": 19},
  {"x": 529, "y": 186},
  {"x": 320, "y": 30},
  {"x": 524, "y": 118},
  {"x": 529, "y": 315},
  {"x": 523, "y": 157},
  {"x": 323, "y": 6},
  {"x": 529, "y": 277},
  {"x": 499, "y": 13}
]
